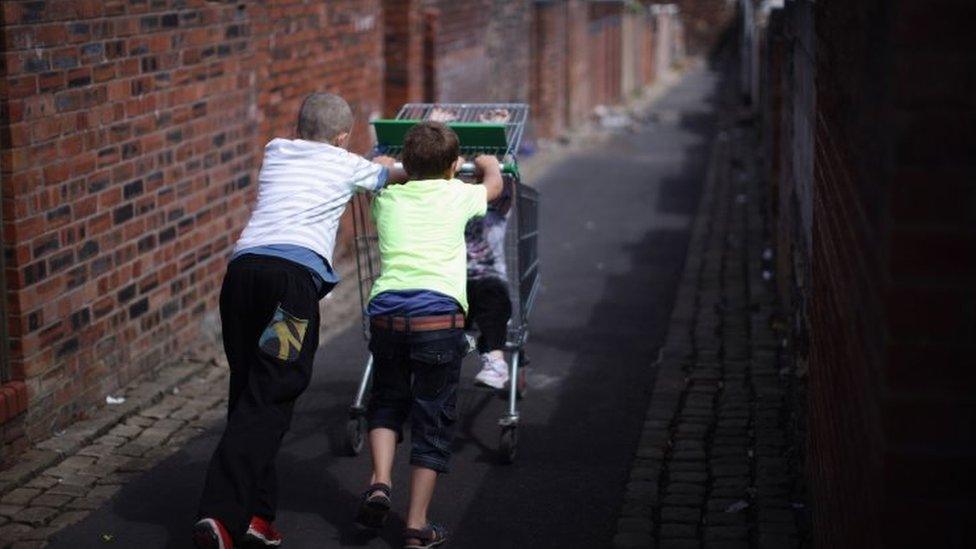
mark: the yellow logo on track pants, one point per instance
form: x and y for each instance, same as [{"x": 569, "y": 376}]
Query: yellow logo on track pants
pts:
[{"x": 283, "y": 336}]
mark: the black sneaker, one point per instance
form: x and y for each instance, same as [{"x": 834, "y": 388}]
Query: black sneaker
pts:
[
  {"x": 374, "y": 507},
  {"x": 429, "y": 536}
]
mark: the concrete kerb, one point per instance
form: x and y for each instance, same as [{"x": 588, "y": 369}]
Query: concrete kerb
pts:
[{"x": 635, "y": 523}]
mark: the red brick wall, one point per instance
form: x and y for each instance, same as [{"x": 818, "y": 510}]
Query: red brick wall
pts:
[
  {"x": 481, "y": 51},
  {"x": 134, "y": 135},
  {"x": 304, "y": 47},
  {"x": 129, "y": 139},
  {"x": 887, "y": 231},
  {"x": 564, "y": 58},
  {"x": 642, "y": 44},
  {"x": 647, "y": 66},
  {"x": 403, "y": 53},
  {"x": 704, "y": 21},
  {"x": 549, "y": 58},
  {"x": 579, "y": 102},
  {"x": 605, "y": 42}
]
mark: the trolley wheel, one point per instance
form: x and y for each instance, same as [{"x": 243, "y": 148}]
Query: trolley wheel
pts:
[
  {"x": 508, "y": 444},
  {"x": 355, "y": 435}
]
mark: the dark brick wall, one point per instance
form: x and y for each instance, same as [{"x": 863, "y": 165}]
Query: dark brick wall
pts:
[
  {"x": 878, "y": 228},
  {"x": 929, "y": 266}
]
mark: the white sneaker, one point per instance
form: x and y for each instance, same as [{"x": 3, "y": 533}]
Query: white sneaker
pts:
[{"x": 494, "y": 372}]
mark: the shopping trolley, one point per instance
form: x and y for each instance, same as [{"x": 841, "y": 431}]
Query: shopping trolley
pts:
[{"x": 482, "y": 129}]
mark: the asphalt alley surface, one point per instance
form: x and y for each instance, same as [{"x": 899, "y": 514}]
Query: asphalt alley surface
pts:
[{"x": 615, "y": 226}]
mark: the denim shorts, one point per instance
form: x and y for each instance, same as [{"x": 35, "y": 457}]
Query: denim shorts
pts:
[{"x": 415, "y": 377}]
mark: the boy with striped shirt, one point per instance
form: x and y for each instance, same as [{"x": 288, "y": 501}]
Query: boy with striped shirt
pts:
[{"x": 281, "y": 267}]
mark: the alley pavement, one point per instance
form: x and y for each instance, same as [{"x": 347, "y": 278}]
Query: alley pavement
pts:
[{"x": 615, "y": 225}]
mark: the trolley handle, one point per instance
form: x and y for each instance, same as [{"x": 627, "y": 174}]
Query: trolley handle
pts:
[{"x": 468, "y": 168}]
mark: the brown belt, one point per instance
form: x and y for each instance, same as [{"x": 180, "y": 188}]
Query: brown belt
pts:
[{"x": 418, "y": 323}]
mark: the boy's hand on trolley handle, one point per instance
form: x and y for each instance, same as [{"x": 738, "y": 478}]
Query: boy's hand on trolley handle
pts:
[
  {"x": 396, "y": 173},
  {"x": 489, "y": 170}
]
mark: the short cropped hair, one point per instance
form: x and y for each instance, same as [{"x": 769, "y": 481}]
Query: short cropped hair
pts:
[
  {"x": 324, "y": 116},
  {"x": 429, "y": 149}
]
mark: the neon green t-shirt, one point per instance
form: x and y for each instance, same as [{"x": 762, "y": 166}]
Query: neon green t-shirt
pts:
[{"x": 421, "y": 231}]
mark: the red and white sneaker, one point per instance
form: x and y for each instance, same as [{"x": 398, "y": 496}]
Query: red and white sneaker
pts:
[
  {"x": 209, "y": 533},
  {"x": 263, "y": 533}
]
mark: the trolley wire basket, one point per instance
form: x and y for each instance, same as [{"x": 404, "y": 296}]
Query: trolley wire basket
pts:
[{"x": 482, "y": 128}]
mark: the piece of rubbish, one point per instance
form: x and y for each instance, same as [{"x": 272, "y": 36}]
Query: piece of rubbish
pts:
[
  {"x": 611, "y": 118},
  {"x": 114, "y": 400},
  {"x": 108, "y": 538},
  {"x": 737, "y": 506},
  {"x": 797, "y": 505}
]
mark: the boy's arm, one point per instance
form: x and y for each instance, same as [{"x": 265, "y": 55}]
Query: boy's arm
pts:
[
  {"x": 491, "y": 175},
  {"x": 394, "y": 175}
]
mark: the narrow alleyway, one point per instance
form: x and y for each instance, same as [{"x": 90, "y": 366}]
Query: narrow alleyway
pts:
[{"x": 615, "y": 222}]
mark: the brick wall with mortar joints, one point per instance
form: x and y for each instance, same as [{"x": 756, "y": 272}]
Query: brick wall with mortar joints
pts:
[
  {"x": 549, "y": 58},
  {"x": 643, "y": 46},
  {"x": 577, "y": 45},
  {"x": 481, "y": 53},
  {"x": 157, "y": 114},
  {"x": 603, "y": 31},
  {"x": 304, "y": 47},
  {"x": 127, "y": 142},
  {"x": 648, "y": 68},
  {"x": 702, "y": 20},
  {"x": 819, "y": 193},
  {"x": 403, "y": 53}
]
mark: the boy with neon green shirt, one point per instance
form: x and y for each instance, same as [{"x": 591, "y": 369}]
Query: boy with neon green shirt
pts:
[{"x": 416, "y": 311}]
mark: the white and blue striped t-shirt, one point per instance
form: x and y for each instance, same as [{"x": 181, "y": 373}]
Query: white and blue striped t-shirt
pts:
[{"x": 303, "y": 188}]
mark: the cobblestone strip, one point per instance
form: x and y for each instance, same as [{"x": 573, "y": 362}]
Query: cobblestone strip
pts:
[
  {"x": 715, "y": 466},
  {"x": 62, "y": 479},
  {"x": 143, "y": 393},
  {"x": 65, "y": 493}
]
